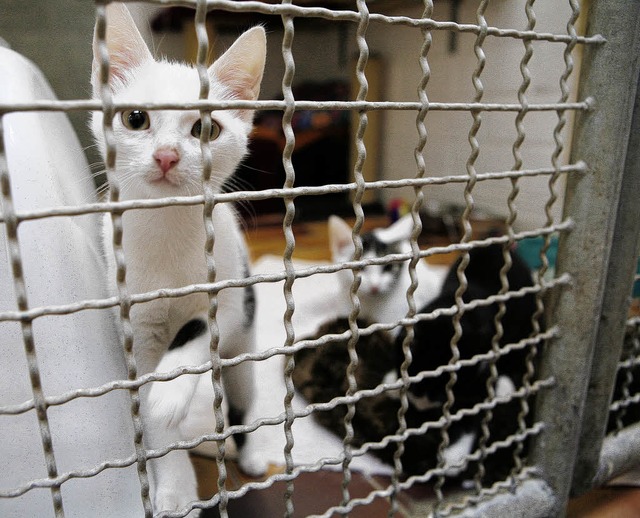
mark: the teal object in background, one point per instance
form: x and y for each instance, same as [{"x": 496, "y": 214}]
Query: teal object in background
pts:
[{"x": 529, "y": 250}]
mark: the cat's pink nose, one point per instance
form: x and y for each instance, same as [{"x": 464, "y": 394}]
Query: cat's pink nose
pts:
[{"x": 166, "y": 158}]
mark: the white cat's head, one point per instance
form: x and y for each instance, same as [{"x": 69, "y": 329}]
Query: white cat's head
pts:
[
  {"x": 158, "y": 152},
  {"x": 375, "y": 280}
]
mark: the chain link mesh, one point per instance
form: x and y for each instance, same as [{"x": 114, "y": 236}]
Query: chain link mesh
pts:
[{"x": 25, "y": 314}]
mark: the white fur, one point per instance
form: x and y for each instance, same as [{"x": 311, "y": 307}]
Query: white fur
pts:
[
  {"x": 504, "y": 386},
  {"x": 165, "y": 248},
  {"x": 383, "y": 298},
  {"x": 455, "y": 454}
]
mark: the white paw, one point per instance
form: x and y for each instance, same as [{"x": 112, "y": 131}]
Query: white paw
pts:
[
  {"x": 169, "y": 401},
  {"x": 252, "y": 464},
  {"x": 504, "y": 386},
  {"x": 172, "y": 500},
  {"x": 455, "y": 454}
]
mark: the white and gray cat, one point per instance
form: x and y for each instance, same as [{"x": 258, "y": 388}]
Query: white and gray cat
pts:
[
  {"x": 383, "y": 288},
  {"x": 159, "y": 155}
]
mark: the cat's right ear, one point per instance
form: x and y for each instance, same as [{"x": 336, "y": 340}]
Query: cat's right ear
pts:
[
  {"x": 340, "y": 237},
  {"x": 127, "y": 49},
  {"x": 242, "y": 65}
]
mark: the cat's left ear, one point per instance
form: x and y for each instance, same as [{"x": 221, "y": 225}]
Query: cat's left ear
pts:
[
  {"x": 126, "y": 47},
  {"x": 241, "y": 67},
  {"x": 401, "y": 230}
]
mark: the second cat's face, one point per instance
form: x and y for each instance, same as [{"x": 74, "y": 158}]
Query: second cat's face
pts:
[{"x": 376, "y": 280}]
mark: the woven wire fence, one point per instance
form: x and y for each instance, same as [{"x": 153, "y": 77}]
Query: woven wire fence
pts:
[{"x": 525, "y": 474}]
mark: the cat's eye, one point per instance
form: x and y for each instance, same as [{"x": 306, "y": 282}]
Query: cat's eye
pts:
[
  {"x": 196, "y": 130},
  {"x": 135, "y": 120}
]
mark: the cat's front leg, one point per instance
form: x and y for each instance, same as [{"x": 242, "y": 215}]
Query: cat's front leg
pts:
[
  {"x": 239, "y": 388},
  {"x": 173, "y": 480},
  {"x": 169, "y": 400}
]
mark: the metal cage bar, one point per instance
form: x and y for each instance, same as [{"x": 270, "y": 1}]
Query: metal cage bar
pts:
[
  {"x": 609, "y": 73},
  {"x": 619, "y": 279},
  {"x": 289, "y": 202}
]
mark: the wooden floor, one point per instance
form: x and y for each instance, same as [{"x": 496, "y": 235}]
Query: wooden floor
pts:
[
  {"x": 314, "y": 493},
  {"x": 266, "y": 236},
  {"x": 615, "y": 502}
]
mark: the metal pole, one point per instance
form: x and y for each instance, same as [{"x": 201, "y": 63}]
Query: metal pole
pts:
[
  {"x": 600, "y": 138},
  {"x": 617, "y": 297}
]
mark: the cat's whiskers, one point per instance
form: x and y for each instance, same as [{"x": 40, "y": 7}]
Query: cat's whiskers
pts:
[
  {"x": 90, "y": 146},
  {"x": 258, "y": 170},
  {"x": 102, "y": 190},
  {"x": 235, "y": 184},
  {"x": 101, "y": 172},
  {"x": 193, "y": 186}
]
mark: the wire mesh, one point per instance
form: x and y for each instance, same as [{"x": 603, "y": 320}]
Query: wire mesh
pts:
[
  {"x": 438, "y": 475},
  {"x": 626, "y": 397},
  {"x": 624, "y": 408}
]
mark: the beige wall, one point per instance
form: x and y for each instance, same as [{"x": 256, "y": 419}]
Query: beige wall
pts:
[{"x": 447, "y": 148}]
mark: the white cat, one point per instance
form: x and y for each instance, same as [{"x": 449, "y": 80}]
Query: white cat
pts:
[
  {"x": 158, "y": 155},
  {"x": 383, "y": 288}
]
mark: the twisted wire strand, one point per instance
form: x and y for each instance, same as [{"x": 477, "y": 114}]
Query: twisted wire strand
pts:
[
  {"x": 493, "y": 370},
  {"x": 209, "y": 203},
  {"x": 625, "y": 372},
  {"x": 211, "y": 105},
  {"x": 124, "y": 296},
  {"x": 352, "y": 386},
  {"x": 415, "y": 249},
  {"x": 559, "y": 148},
  {"x": 533, "y": 352},
  {"x": 502, "y": 486},
  {"x": 624, "y": 404},
  {"x": 469, "y": 202},
  {"x": 239, "y": 196},
  {"x": 537, "y": 317},
  {"x": 287, "y": 90}
]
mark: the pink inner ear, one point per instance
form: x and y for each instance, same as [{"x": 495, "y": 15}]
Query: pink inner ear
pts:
[
  {"x": 241, "y": 84},
  {"x": 126, "y": 47},
  {"x": 345, "y": 243},
  {"x": 120, "y": 63}
]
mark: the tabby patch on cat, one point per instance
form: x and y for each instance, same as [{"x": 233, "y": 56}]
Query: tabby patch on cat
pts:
[
  {"x": 158, "y": 154},
  {"x": 383, "y": 288}
]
